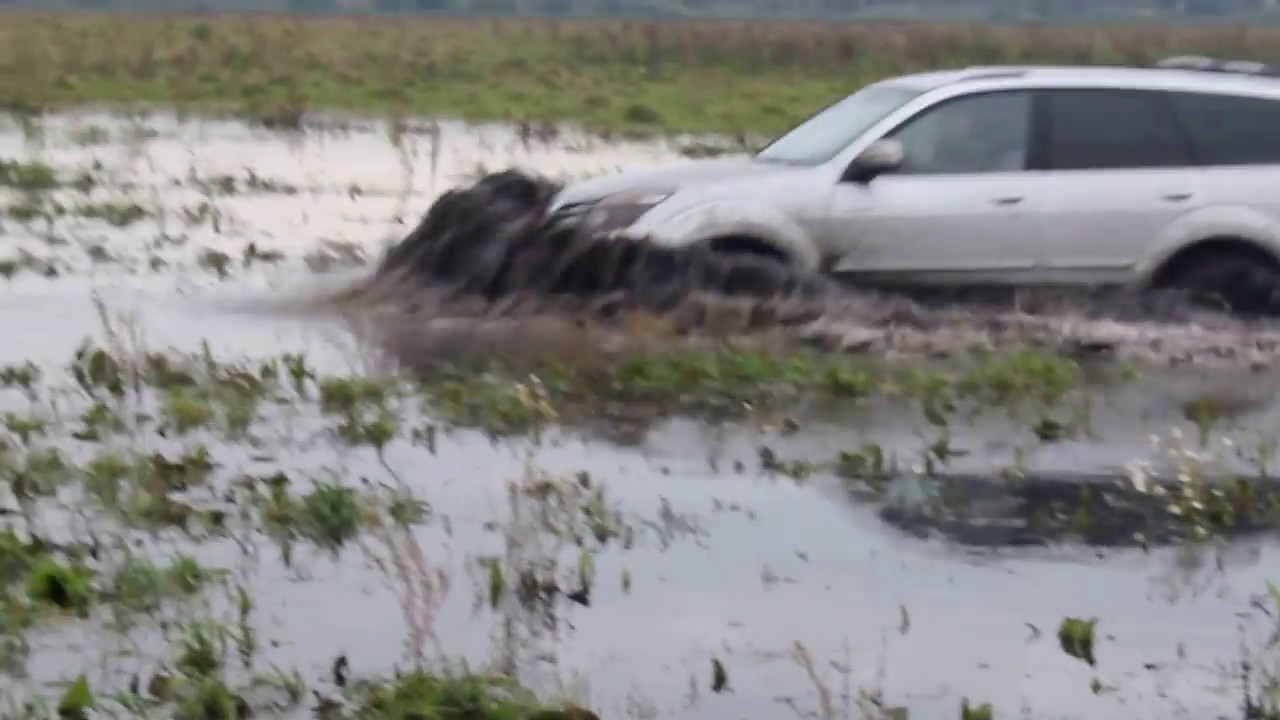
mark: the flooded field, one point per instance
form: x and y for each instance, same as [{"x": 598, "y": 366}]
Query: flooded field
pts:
[{"x": 240, "y": 512}]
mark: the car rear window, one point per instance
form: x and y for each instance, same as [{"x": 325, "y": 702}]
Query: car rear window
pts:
[
  {"x": 1112, "y": 129},
  {"x": 1230, "y": 129}
]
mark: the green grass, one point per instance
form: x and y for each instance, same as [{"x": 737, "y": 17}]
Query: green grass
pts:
[
  {"x": 731, "y": 77},
  {"x": 732, "y": 381}
]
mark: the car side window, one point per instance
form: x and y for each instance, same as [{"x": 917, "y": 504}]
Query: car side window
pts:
[
  {"x": 1112, "y": 130},
  {"x": 980, "y": 133},
  {"x": 1230, "y": 129}
]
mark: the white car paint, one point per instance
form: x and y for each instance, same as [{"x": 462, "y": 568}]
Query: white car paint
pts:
[
  {"x": 1072, "y": 226},
  {"x": 987, "y": 227}
]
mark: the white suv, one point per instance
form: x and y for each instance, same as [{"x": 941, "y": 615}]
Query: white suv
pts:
[{"x": 1166, "y": 176}]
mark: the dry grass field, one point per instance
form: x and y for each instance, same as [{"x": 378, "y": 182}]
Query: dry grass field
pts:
[{"x": 616, "y": 75}]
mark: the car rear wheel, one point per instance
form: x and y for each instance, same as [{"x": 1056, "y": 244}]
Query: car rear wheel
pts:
[{"x": 1232, "y": 280}]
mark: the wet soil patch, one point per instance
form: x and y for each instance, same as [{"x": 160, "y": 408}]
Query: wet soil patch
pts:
[{"x": 1095, "y": 510}]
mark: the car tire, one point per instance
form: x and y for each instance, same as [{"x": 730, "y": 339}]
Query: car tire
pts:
[{"x": 1245, "y": 283}]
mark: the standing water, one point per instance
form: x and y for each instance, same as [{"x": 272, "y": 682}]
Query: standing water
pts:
[{"x": 179, "y": 234}]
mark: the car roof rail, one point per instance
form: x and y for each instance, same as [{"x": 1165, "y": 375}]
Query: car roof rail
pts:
[
  {"x": 1202, "y": 63},
  {"x": 984, "y": 72}
]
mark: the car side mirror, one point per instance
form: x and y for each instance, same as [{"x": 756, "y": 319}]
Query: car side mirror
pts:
[{"x": 882, "y": 156}]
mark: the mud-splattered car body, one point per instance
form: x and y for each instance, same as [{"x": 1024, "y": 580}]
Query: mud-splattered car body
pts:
[{"x": 1078, "y": 176}]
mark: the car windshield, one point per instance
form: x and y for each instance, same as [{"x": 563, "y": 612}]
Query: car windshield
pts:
[{"x": 822, "y": 136}]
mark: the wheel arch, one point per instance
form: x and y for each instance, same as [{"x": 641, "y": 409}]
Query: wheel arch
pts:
[
  {"x": 751, "y": 243},
  {"x": 734, "y": 224},
  {"x": 1212, "y": 228}
]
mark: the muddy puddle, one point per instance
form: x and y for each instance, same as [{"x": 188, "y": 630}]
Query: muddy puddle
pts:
[{"x": 722, "y": 560}]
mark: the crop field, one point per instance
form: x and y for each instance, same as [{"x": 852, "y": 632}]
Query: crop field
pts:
[
  {"x": 722, "y": 76},
  {"x": 220, "y": 499}
]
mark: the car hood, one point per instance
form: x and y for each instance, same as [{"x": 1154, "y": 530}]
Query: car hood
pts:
[{"x": 667, "y": 177}]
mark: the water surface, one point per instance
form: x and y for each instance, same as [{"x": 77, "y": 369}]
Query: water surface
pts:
[{"x": 732, "y": 564}]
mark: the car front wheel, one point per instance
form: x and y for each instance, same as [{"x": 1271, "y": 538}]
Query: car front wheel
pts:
[{"x": 751, "y": 268}]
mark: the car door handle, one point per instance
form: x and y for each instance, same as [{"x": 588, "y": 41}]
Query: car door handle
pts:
[
  {"x": 1176, "y": 196},
  {"x": 1010, "y": 200}
]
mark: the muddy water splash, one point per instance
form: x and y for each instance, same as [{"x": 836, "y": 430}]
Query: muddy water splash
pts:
[
  {"x": 492, "y": 251},
  {"x": 488, "y": 259}
]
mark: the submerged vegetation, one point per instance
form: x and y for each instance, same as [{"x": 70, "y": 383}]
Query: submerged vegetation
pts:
[
  {"x": 141, "y": 449},
  {"x": 723, "y": 76},
  {"x": 736, "y": 381},
  {"x": 169, "y": 461}
]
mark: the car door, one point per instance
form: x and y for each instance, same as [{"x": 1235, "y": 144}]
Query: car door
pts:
[
  {"x": 961, "y": 207},
  {"x": 1121, "y": 169}
]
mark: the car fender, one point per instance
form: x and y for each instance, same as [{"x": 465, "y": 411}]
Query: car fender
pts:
[
  {"x": 1219, "y": 221},
  {"x": 713, "y": 219}
]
